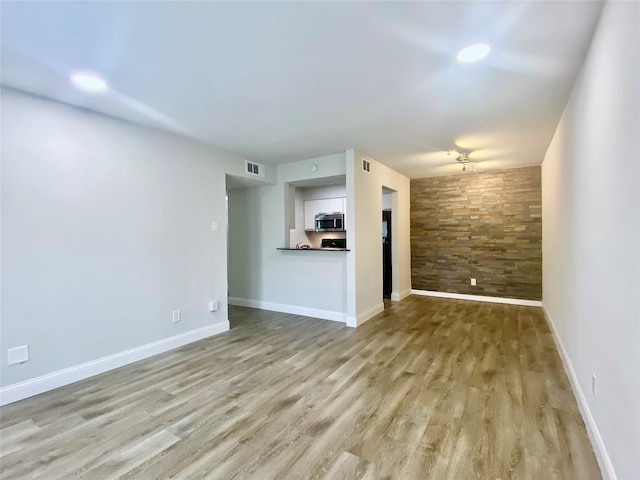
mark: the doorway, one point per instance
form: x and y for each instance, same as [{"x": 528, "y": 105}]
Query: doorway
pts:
[{"x": 387, "y": 276}]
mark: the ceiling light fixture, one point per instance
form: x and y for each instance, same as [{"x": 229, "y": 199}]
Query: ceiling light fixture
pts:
[
  {"x": 473, "y": 53},
  {"x": 89, "y": 82},
  {"x": 463, "y": 159}
]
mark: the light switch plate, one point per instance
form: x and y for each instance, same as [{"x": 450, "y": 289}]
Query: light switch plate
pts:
[
  {"x": 18, "y": 355},
  {"x": 215, "y": 227}
]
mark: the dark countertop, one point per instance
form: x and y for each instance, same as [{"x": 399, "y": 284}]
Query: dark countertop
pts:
[{"x": 315, "y": 249}]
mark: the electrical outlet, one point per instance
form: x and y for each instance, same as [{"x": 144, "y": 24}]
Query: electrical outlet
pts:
[
  {"x": 213, "y": 305},
  {"x": 473, "y": 282},
  {"x": 176, "y": 316},
  {"x": 215, "y": 226},
  {"x": 18, "y": 355},
  {"x": 594, "y": 389}
]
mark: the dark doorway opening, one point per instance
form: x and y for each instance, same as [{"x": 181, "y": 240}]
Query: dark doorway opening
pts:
[{"x": 386, "y": 254}]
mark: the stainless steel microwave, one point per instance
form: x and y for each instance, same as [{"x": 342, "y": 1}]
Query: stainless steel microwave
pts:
[{"x": 330, "y": 222}]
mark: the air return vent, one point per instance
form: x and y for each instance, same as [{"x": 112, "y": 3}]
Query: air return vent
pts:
[
  {"x": 252, "y": 168},
  {"x": 366, "y": 166}
]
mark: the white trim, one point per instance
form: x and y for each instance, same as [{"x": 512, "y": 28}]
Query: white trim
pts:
[
  {"x": 358, "y": 320},
  {"x": 293, "y": 309},
  {"x": 50, "y": 381},
  {"x": 599, "y": 448},
  {"x": 479, "y": 298},
  {"x": 397, "y": 297}
]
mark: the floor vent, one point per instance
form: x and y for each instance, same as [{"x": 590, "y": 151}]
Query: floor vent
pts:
[{"x": 256, "y": 169}]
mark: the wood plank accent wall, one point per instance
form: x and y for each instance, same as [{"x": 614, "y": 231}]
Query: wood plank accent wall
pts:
[{"x": 484, "y": 225}]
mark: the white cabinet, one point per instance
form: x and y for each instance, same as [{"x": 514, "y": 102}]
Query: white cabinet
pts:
[
  {"x": 336, "y": 205},
  {"x": 310, "y": 210},
  {"x": 322, "y": 205},
  {"x": 344, "y": 209}
]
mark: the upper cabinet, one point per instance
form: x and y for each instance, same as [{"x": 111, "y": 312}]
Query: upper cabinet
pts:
[
  {"x": 322, "y": 205},
  {"x": 310, "y": 211}
]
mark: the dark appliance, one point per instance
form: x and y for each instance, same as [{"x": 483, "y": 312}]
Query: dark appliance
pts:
[
  {"x": 330, "y": 222},
  {"x": 334, "y": 243}
]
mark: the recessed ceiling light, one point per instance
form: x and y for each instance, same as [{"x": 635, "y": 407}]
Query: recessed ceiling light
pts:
[
  {"x": 89, "y": 82},
  {"x": 473, "y": 53}
]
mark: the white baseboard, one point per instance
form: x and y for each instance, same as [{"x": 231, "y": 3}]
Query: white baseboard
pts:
[
  {"x": 599, "y": 448},
  {"x": 293, "y": 309},
  {"x": 478, "y": 298},
  {"x": 396, "y": 297},
  {"x": 355, "y": 322},
  {"x": 35, "y": 386}
]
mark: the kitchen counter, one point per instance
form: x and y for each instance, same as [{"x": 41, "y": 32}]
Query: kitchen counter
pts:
[{"x": 314, "y": 249}]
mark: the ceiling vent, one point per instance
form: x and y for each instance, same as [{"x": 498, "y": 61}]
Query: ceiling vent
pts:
[
  {"x": 254, "y": 169},
  {"x": 366, "y": 166}
]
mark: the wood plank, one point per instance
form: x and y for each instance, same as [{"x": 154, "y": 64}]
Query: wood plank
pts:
[{"x": 429, "y": 389}]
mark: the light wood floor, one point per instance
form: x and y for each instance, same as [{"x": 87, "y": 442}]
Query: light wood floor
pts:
[{"x": 429, "y": 389}]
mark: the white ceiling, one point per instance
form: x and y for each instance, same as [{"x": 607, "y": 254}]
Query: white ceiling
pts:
[{"x": 280, "y": 82}]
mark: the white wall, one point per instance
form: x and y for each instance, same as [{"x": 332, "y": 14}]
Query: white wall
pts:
[
  {"x": 327, "y": 191},
  {"x": 297, "y": 233},
  {"x": 591, "y": 238},
  {"x": 387, "y": 201},
  {"x": 364, "y": 236},
  {"x": 308, "y": 283},
  {"x": 106, "y": 228}
]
